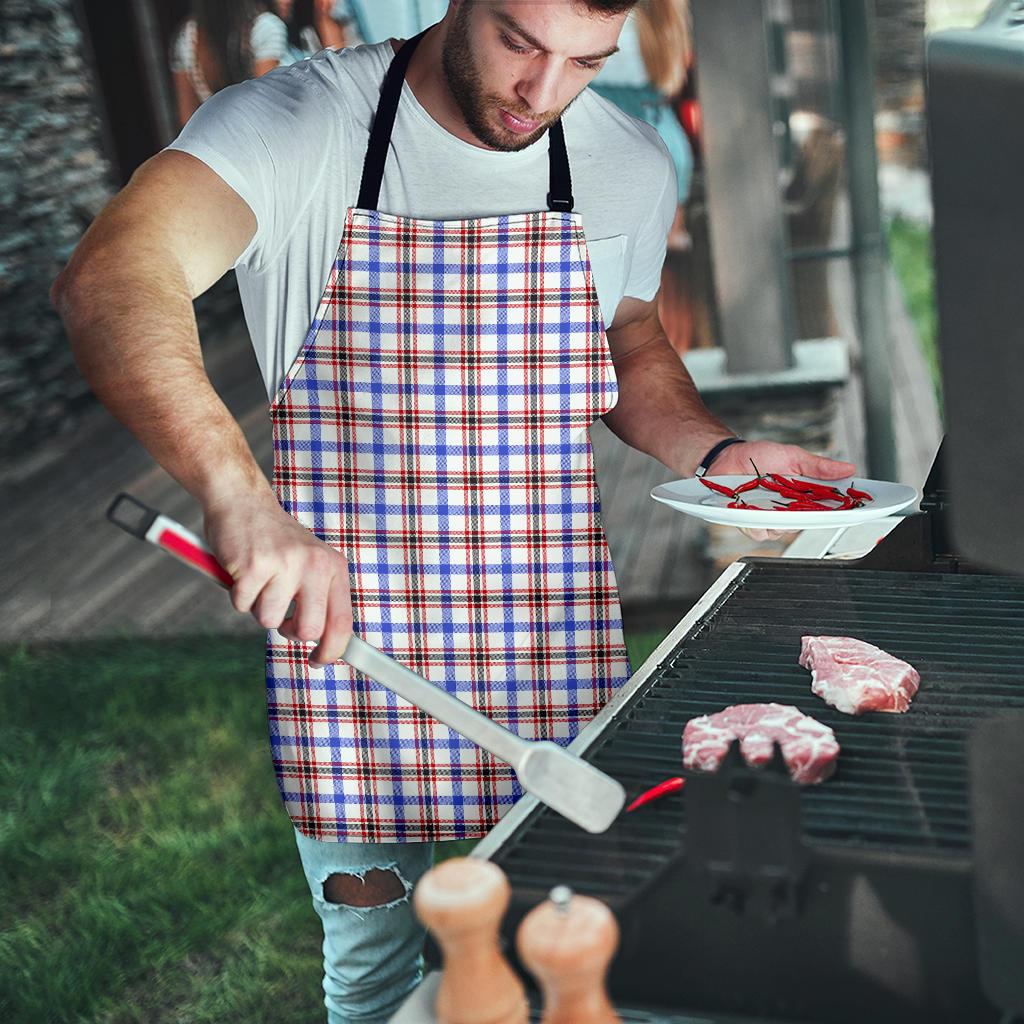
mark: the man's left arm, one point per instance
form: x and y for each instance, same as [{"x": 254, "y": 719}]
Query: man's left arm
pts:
[{"x": 660, "y": 412}]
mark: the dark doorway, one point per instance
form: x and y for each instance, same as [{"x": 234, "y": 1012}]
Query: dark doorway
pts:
[{"x": 127, "y": 44}]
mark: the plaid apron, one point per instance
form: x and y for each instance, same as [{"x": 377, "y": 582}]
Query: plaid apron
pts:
[{"x": 434, "y": 429}]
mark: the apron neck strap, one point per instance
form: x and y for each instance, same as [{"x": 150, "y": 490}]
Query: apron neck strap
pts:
[
  {"x": 383, "y": 122},
  {"x": 560, "y": 184}
]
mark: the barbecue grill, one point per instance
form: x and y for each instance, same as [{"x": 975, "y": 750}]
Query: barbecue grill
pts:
[
  {"x": 748, "y": 896},
  {"x": 895, "y": 890}
]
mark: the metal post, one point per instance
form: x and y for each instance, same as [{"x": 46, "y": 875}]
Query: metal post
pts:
[
  {"x": 744, "y": 202},
  {"x": 154, "y": 64},
  {"x": 868, "y": 240}
]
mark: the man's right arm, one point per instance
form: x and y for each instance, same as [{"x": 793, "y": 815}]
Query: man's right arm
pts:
[{"x": 126, "y": 301}]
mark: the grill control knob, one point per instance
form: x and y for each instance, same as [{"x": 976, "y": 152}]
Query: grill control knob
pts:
[
  {"x": 567, "y": 943},
  {"x": 462, "y": 902}
]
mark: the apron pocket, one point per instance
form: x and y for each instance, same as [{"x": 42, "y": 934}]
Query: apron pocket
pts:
[{"x": 608, "y": 268}]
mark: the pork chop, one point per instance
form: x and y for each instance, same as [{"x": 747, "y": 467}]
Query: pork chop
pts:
[
  {"x": 808, "y": 747},
  {"x": 854, "y": 676}
]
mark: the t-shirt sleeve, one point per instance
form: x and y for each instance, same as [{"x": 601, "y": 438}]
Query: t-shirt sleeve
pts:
[
  {"x": 652, "y": 238},
  {"x": 269, "y": 38},
  {"x": 180, "y": 56},
  {"x": 269, "y": 140}
]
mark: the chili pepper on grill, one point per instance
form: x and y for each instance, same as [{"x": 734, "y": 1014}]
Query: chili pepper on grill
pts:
[{"x": 656, "y": 792}]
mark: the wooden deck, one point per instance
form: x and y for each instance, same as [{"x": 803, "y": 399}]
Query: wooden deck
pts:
[{"x": 69, "y": 573}]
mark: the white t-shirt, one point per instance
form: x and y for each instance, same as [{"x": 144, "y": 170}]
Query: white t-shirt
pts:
[
  {"x": 268, "y": 40},
  {"x": 292, "y": 144}
]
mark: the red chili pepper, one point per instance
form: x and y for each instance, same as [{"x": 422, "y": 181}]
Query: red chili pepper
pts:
[
  {"x": 750, "y": 485},
  {"x": 656, "y": 792},
  {"x": 809, "y": 487},
  {"x": 862, "y": 495},
  {"x": 742, "y": 504},
  {"x": 720, "y": 488},
  {"x": 806, "y": 505},
  {"x": 786, "y": 492}
]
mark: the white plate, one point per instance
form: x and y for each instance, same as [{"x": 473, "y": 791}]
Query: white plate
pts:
[{"x": 693, "y": 498}]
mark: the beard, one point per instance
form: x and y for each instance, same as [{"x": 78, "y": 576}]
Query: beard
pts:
[{"x": 478, "y": 107}]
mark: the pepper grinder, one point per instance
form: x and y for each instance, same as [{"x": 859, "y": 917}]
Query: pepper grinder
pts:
[
  {"x": 462, "y": 901},
  {"x": 567, "y": 943}
]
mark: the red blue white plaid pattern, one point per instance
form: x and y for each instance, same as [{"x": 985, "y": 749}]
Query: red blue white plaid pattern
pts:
[{"x": 435, "y": 430}]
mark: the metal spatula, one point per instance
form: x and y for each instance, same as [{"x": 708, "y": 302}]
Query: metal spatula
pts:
[{"x": 567, "y": 784}]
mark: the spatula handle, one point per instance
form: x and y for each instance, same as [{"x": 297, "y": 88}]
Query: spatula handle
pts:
[{"x": 435, "y": 702}]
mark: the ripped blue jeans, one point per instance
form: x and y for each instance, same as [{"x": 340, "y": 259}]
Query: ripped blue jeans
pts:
[{"x": 372, "y": 955}]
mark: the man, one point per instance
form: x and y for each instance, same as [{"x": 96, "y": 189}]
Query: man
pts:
[{"x": 430, "y": 410}]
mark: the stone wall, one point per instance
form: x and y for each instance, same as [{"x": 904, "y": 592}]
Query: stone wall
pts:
[{"x": 54, "y": 178}]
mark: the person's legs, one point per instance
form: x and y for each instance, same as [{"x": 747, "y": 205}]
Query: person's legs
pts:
[{"x": 372, "y": 941}]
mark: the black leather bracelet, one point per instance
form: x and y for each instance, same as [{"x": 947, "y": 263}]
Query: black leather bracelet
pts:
[{"x": 705, "y": 463}]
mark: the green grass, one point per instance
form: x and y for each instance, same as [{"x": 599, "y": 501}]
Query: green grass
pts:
[
  {"x": 147, "y": 868},
  {"x": 910, "y": 247}
]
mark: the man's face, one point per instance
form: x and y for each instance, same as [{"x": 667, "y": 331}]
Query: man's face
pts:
[{"x": 513, "y": 66}]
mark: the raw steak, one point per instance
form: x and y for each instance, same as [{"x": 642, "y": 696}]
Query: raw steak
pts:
[
  {"x": 808, "y": 747},
  {"x": 855, "y": 677}
]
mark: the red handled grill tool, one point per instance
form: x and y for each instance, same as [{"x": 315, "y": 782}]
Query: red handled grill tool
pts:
[{"x": 563, "y": 781}]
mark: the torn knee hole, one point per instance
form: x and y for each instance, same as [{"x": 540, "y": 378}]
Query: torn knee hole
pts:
[{"x": 373, "y": 889}]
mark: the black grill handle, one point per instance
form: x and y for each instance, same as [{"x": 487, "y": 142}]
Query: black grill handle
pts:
[{"x": 745, "y": 837}]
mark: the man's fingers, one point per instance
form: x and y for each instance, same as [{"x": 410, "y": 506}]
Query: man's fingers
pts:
[
  {"x": 306, "y": 622},
  {"x": 762, "y": 535},
  {"x": 337, "y": 625},
  {"x": 818, "y": 468},
  {"x": 271, "y": 606},
  {"x": 248, "y": 587}
]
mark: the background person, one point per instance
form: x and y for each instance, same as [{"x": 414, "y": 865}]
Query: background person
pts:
[
  {"x": 223, "y": 42},
  {"x": 314, "y": 25},
  {"x": 647, "y": 75}
]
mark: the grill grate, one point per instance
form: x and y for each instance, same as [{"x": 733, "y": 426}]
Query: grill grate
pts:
[{"x": 901, "y": 785}]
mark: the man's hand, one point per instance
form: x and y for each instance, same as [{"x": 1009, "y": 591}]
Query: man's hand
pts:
[
  {"x": 771, "y": 457},
  {"x": 274, "y": 561}
]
